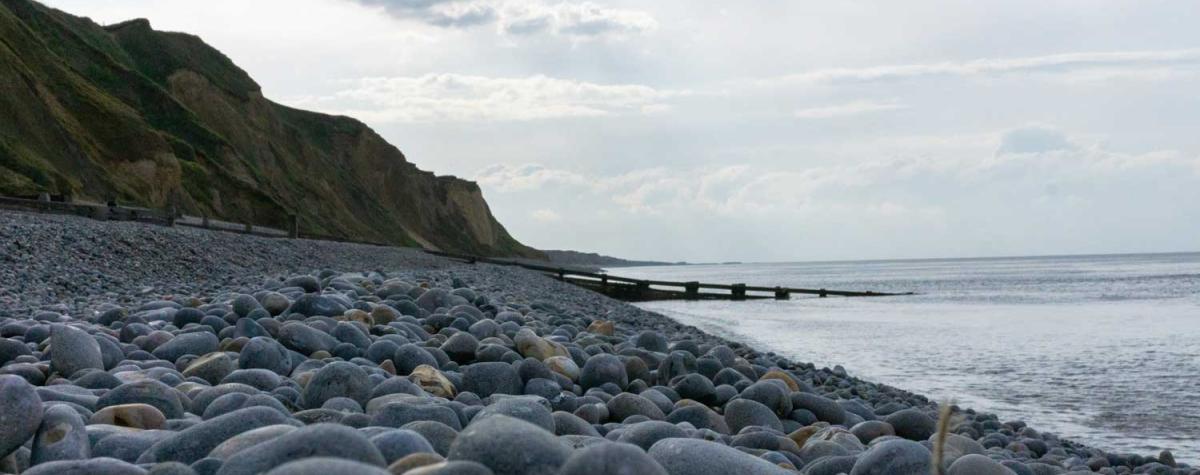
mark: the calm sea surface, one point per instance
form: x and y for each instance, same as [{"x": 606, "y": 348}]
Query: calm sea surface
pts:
[{"x": 1104, "y": 350}]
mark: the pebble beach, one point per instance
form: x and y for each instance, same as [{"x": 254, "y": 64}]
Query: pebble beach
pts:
[{"x": 129, "y": 348}]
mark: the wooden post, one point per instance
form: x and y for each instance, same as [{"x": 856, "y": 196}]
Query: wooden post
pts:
[
  {"x": 562, "y": 274},
  {"x": 604, "y": 282},
  {"x": 294, "y": 230},
  {"x": 249, "y": 228},
  {"x": 691, "y": 290},
  {"x": 782, "y": 293},
  {"x": 43, "y": 201},
  {"x": 739, "y": 291},
  {"x": 170, "y": 215},
  {"x": 642, "y": 288},
  {"x": 822, "y": 293},
  {"x": 204, "y": 220},
  {"x": 100, "y": 212}
]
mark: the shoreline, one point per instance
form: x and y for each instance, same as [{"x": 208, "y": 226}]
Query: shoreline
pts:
[{"x": 558, "y": 315}]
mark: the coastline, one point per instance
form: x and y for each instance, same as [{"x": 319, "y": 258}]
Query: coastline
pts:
[{"x": 217, "y": 269}]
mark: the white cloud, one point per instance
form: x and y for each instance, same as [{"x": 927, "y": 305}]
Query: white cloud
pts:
[
  {"x": 532, "y": 176},
  {"x": 1067, "y": 200},
  {"x": 545, "y": 216},
  {"x": 577, "y": 20},
  {"x": 1033, "y": 159},
  {"x": 1131, "y": 61},
  {"x": 848, "y": 109},
  {"x": 456, "y": 97},
  {"x": 445, "y": 13}
]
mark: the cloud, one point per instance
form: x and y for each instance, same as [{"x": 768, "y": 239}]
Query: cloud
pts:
[
  {"x": 532, "y": 176},
  {"x": 457, "y": 97},
  {"x": 848, "y": 109},
  {"x": 545, "y": 216},
  {"x": 1056, "y": 201},
  {"x": 923, "y": 188},
  {"x": 1057, "y": 63},
  {"x": 577, "y": 20},
  {"x": 445, "y": 13},
  {"x": 1034, "y": 139}
]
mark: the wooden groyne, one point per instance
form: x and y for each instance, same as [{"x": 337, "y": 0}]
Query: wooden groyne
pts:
[
  {"x": 623, "y": 288},
  {"x": 640, "y": 290}
]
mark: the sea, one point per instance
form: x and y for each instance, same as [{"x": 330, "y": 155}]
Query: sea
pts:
[{"x": 1103, "y": 350}]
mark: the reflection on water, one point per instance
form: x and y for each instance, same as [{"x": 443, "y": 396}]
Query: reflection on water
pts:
[{"x": 1100, "y": 349}]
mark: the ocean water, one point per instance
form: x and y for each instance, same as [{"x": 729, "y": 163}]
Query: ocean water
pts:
[{"x": 1103, "y": 350}]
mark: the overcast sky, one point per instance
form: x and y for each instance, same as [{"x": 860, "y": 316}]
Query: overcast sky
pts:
[{"x": 759, "y": 130}]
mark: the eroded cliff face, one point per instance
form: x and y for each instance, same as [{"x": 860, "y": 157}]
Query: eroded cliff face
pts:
[{"x": 155, "y": 118}]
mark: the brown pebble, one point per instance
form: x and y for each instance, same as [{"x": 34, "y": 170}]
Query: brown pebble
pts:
[
  {"x": 136, "y": 416},
  {"x": 432, "y": 381},
  {"x": 780, "y": 375},
  {"x": 602, "y": 327},
  {"x": 417, "y": 460},
  {"x": 801, "y": 435},
  {"x": 356, "y": 315}
]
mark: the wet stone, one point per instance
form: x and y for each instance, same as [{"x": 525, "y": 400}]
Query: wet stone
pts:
[
  {"x": 249, "y": 439},
  {"x": 212, "y": 367},
  {"x": 195, "y": 442},
  {"x": 304, "y": 339},
  {"x": 645, "y": 434},
  {"x": 510, "y": 446},
  {"x": 20, "y": 413},
  {"x": 741, "y": 413},
  {"x": 688, "y": 456},
  {"x": 399, "y": 414},
  {"x": 310, "y": 441},
  {"x": 531, "y": 409},
  {"x": 61, "y": 436},
  {"x": 327, "y": 466},
  {"x": 337, "y": 379},
  {"x": 234, "y": 401},
  {"x": 626, "y": 405},
  {"x": 399, "y": 443},
  {"x": 311, "y": 305},
  {"x": 73, "y": 350},
  {"x": 194, "y": 343},
  {"x": 265, "y": 353},
  {"x": 96, "y": 466},
  {"x": 439, "y": 435},
  {"x": 128, "y": 446},
  {"x": 893, "y": 457},
  {"x": 611, "y": 459},
  {"x": 486, "y": 379},
  {"x": 912, "y": 424},
  {"x": 601, "y": 369},
  {"x": 150, "y": 392},
  {"x": 408, "y": 357},
  {"x": 976, "y": 464}
]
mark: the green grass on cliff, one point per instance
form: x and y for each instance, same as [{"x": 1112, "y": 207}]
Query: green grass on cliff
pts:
[
  {"x": 160, "y": 54},
  {"x": 23, "y": 172}
]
